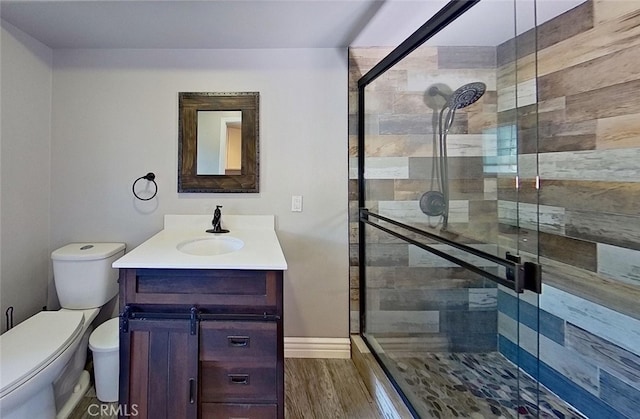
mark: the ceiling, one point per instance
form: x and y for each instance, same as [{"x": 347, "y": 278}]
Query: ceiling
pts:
[
  {"x": 190, "y": 24},
  {"x": 242, "y": 24}
]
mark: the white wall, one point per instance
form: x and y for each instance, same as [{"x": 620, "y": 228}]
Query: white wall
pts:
[
  {"x": 115, "y": 119},
  {"x": 25, "y": 102}
]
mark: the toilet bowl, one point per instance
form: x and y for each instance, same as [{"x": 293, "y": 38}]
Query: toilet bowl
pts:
[
  {"x": 43, "y": 358},
  {"x": 73, "y": 382}
]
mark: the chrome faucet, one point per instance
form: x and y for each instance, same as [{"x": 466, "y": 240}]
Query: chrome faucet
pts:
[{"x": 217, "y": 221}]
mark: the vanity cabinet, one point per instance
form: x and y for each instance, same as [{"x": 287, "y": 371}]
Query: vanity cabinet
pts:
[{"x": 202, "y": 343}]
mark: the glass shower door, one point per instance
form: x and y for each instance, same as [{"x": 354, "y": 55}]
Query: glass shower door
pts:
[
  {"x": 518, "y": 210},
  {"x": 450, "y": 222}
]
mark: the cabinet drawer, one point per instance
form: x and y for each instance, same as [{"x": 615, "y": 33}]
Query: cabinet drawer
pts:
[
  {"x": 234, "y": 382},
  {"x": 238, "y": 340},
  {"x": 239, "y": 411},
  {"x": 256, "y": 290}
]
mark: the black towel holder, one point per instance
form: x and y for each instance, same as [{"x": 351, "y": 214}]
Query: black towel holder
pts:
[{"x": 151, "y": 177}]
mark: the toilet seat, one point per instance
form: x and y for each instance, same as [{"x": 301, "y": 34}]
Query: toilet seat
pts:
[{"x": 33, "y": 344}]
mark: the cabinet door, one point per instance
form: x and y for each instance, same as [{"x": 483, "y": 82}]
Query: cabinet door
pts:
[{"x": 159, "y": 375}]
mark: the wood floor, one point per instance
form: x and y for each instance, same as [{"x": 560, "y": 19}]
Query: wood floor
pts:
[
  {"x": 326, "y": 388},
  {"x": 315, "y": 389}
]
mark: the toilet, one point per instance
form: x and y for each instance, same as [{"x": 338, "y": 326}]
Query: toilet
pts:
[{"x": 43, "y": 358}]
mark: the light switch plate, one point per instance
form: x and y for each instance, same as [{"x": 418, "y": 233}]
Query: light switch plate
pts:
[{"x": 296, "y": 203}]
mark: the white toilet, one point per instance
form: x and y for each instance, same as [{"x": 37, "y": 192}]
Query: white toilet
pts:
[{"x": 42, "y": 359}]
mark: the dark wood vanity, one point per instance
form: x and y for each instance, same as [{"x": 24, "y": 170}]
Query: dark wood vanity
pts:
[{"x": 201, "y": 343}]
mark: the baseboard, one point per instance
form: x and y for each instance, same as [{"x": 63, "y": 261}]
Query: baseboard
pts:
[{"x": 317, "y": 347}]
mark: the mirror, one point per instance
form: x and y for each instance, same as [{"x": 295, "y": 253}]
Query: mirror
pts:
[
  {"x": 218, "y": 142},
  {"x": 219, "y": 139}
]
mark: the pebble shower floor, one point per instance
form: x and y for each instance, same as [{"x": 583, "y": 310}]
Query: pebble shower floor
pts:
[{"x": 475, "y": 385}]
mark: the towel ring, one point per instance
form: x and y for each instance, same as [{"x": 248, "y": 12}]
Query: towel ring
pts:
[{"x": 151, "y": 177}]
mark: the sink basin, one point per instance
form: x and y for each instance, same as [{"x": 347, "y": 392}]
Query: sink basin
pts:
[{"x": 210, "y": 246}]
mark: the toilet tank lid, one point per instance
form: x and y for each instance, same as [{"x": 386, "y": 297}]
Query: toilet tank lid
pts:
[
  {"x": 87, "y": 251},
  {"x": 106, "y": 337},
  {"x": 32, "y": 344}
]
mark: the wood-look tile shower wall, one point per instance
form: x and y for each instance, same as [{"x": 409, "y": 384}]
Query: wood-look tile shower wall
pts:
[
  {"x": 406, "y": 285},
  {"x": 588, "y": 138},
  {"x": 582, "y": 137},
  {"x": 578, "y": 128}
]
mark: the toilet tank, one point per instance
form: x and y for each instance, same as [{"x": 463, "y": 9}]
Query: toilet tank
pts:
[{"x": 83, "y": 275}]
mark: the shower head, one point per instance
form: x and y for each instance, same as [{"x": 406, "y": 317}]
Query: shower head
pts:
[
  {"x": 434, "y": 203},
  {"x": 467, "y": 95}
]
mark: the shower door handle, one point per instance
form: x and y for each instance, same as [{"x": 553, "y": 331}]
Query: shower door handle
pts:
[
  {"x": 525, "y": 276},
  {"x": 533, "y": 277}
]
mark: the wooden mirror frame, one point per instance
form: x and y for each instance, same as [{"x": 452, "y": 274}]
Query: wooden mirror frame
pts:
[{"x": 188, "y": 106}]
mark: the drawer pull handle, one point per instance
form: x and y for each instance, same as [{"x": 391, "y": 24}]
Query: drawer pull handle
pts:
[
  {"x": 192, "y": 391},
  {"x": 238, "y": 341},
  {"x": 242, "y": 379}
]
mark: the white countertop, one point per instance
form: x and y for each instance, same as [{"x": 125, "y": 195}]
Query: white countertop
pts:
[{"x": 261, "y": 249}]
